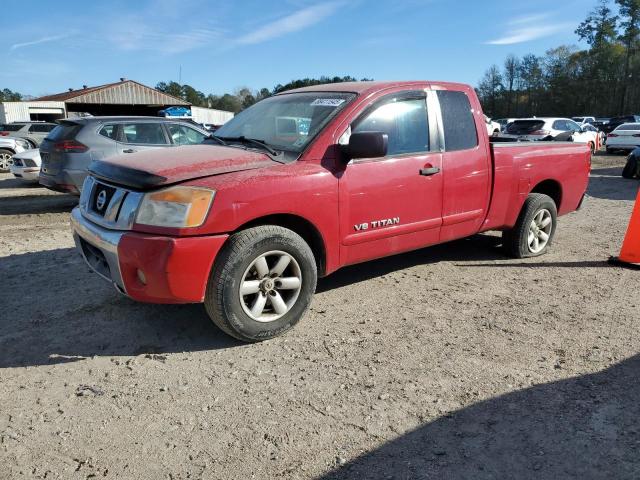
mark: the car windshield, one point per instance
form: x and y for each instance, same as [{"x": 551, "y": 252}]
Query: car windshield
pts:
[
  {"x": 524, "y": 127},
  {"x": 286, "y": 122},
  {"x": 578, "y": 119}
]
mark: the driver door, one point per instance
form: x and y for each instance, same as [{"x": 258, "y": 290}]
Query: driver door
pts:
[{"x": 394, "y": 203}]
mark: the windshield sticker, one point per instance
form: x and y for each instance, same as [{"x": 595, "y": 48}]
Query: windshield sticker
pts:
[{"x": 327, "y": 102}]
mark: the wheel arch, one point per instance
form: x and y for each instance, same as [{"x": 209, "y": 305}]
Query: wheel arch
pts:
[
  {"x": 303, "y": 227},
  {"x": 551, "y": 188}
]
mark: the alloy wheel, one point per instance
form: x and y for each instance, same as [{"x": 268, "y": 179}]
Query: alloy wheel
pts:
[{"x": 270, "y": 286}]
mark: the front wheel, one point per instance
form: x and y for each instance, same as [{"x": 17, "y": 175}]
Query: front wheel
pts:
[
  {"x": 535, "y": 228},
  {"x": 5, "y": 159},
  {"x": 261, "y": 284}
]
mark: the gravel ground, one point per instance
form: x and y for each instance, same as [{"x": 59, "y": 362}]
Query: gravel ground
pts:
[{"x": 449, "y": 362}]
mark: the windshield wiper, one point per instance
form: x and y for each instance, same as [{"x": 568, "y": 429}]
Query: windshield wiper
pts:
[
  {"x": 252, "y": 141},
  {"x": 217, "y": 139}
]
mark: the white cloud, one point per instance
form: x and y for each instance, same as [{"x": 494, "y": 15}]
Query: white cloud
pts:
[
  {"x": 289, "y": 24},
  {"x": 53, "y": 38},
  {"x": 529, "y": 27}
]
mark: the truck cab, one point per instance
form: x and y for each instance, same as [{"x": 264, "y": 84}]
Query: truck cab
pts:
[{"x": 308, "y": 181}]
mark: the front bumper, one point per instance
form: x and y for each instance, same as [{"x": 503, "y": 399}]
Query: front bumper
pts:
[
  {"x": 30, "y": 174},
  {"x": 148, "y": 268}
]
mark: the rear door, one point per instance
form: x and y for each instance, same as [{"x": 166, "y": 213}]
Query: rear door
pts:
[
  {"x": 138, "y": 136},
  {"x": 466, "y": 167},
  {"x": 394, "y": 203}
]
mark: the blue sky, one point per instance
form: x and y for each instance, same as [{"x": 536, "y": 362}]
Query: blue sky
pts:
[{"x": 47, "y": 47}]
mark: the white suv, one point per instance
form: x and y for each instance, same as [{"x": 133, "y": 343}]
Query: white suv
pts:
[{"x": 551, "y": 128}]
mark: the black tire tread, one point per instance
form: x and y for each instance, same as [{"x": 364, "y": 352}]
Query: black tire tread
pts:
[
  {"x": 237, "y": 244},
  {"x": 512, "y": 239}
]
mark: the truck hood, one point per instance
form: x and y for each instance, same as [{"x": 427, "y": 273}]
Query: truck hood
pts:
[{"x": 163, "y": 166}]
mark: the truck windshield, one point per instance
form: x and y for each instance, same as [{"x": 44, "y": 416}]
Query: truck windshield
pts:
[{"x": 286, "y": 122}]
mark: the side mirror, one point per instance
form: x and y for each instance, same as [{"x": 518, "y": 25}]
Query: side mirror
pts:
[{"x": 366, "y": 145}]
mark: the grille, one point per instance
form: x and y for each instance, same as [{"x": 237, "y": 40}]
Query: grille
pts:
[{"x": 109, "y": 205}]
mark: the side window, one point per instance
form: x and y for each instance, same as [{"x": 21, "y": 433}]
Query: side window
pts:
[
  {"x": 41, "y": 128},
  {"x": 108, "y": 131},
  {"x": 183, "y": 135},
  {"x": 457, "y": 118},
  {"x": 562, "y": 125},
  {"x": 144, "y": 133},
  {"x": 404, "y": 121}
]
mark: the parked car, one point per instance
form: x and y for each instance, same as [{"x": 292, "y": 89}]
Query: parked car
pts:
[
  {"x": 248, "y": 227},
  {"x": 33, "y": 132},
  {"x": 70, "y": 147},
  {"x": 632, "y": 167},
  {"x": 554, "y": 128},
  {"x": 493, "y": 128},
  {"x": 175, "y": 112},
  {"x": 615, "y": 122},
  {"x": 26, "y": 165},
  {"x": 9, "y": 146},
  {"x": 625, "y": 137}
]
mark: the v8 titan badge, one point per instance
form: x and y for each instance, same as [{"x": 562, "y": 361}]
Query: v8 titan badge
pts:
[{"x": 385, "y": 222}]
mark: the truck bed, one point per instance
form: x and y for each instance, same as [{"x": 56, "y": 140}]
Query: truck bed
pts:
[{"x": 554, "y": 168}]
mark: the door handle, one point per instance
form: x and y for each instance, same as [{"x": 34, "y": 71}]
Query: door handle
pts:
[
  {"x": 128, "y": 150},
  {"x": 427, "y": 172}
]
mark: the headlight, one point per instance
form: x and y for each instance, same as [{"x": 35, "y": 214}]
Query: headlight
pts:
[
  {"x": 23, "y": 143},
  {"x": 176, "y": 207}
]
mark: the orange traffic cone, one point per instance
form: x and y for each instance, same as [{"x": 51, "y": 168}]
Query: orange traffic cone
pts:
[{"x": 630, "y": 253}]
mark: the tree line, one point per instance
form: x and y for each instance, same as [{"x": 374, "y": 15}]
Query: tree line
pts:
[
  {"x": 242, "y": 97},
  {"x": 602, "y": 80},
  {"x": 7, "y": 95}
]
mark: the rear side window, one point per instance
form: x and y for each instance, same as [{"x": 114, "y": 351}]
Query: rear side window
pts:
[
  {"x": 64, "y": 131},
  {"x": 459, "y": 126},
  {"x": 10, "y": 127},
  {"x": 629, "y": 126},
  {"x": 405, "y": 123},
  {"x": 144, "y": 133},
  {"x": 108, "y": 131},
  {"x": 41, "y": 128}
]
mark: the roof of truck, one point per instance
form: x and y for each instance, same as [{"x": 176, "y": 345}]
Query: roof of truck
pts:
[{"x": 367, "y": 87}]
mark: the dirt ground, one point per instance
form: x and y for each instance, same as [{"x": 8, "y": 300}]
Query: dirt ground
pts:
[{"x": 450, "y": 362}]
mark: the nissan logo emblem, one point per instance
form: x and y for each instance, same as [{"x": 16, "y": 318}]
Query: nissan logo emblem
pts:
[{"x": 101, "y": 200}]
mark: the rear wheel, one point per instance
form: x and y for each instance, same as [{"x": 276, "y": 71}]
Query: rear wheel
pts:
[
  {"x": 535, "y": 228},
  {"x": 261, "y": 284},
  {"x": 5, "y": 157}
]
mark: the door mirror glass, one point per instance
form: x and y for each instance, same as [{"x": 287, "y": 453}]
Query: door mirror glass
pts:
[{"x": 366, "y": 145}]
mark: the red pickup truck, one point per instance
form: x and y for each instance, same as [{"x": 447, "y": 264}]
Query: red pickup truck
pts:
[{"x": 308, "y": 181}]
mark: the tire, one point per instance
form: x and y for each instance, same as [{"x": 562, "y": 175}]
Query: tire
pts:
[
  {"x": 536, "y": 207},
  {"x": 631, "y": 168},
  {"x": 237, "y": 265},
  {"x": 5, "y": 156}
]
